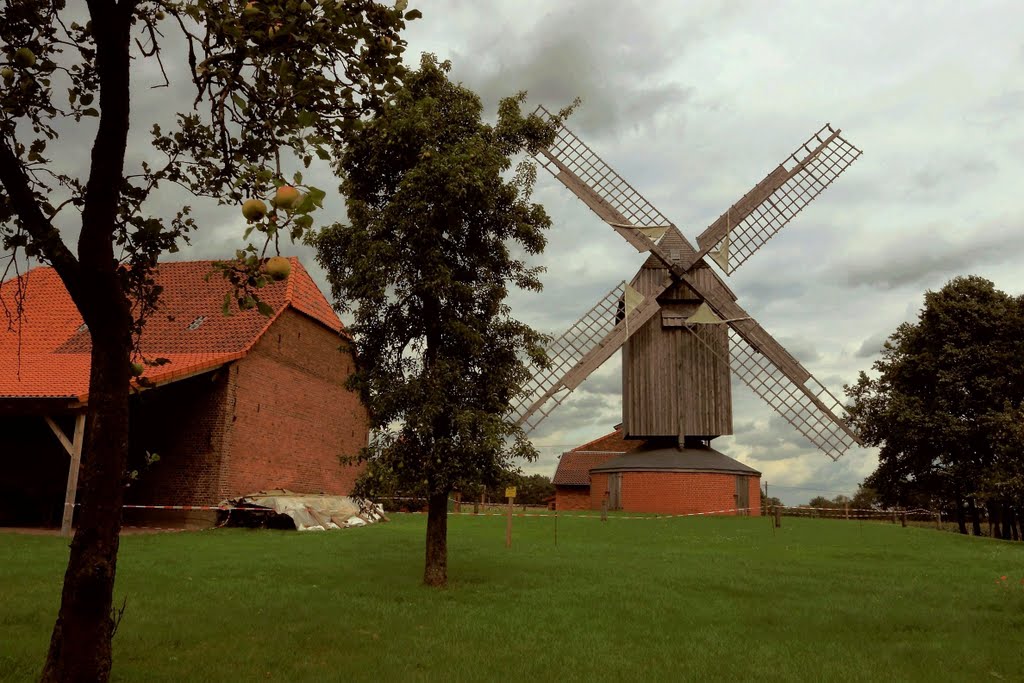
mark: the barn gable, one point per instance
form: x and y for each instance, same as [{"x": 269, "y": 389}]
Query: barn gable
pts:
[{"x": 247, "y": 401}]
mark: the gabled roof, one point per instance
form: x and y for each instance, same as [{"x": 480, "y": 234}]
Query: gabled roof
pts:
[
  {"x": 612, "y": 443},
  {"x": 574, "y": 466},
  {"x": 47, "y": 355}
]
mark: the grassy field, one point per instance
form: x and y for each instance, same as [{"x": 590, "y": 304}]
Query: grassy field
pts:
[{"x": 667, "y": 599}]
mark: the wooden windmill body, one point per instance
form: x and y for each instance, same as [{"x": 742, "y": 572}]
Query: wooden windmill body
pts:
[
  {"x": 675, "y": 380},
  {"x": 682, "y": 332}
]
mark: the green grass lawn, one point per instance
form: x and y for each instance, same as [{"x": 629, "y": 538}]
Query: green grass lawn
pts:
[{"x": 666, "y": 599}]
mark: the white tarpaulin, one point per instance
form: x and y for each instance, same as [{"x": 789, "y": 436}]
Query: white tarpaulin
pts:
[{"x": 311, "y": 511}]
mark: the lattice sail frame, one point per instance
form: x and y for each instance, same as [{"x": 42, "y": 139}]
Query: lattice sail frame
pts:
[
  {"x": 608, "y": 194},
  {"x": 548, "y": 387},
  {"x": 797, "y": 181},
  {"x": 759, "y": 214},
  {"x": 812, "y": 409}
]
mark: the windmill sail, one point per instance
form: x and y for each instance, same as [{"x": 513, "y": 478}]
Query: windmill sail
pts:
[
  {"x": 809, "y": 406},
  {"x": 773, "y": 202},
  {"x": 580, "y": 350},
  {"x": 614, "y": 200}
]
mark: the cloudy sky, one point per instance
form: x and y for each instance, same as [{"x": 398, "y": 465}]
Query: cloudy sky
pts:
[{"x": 695, "y": 102}]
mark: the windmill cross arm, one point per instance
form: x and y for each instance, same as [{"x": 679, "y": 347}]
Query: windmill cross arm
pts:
[
  {"x": 748, "y": 328},
  {"x": 597, "y": 343},
  {"x": 757, "y": 195},
  {"x": 604, "y": 210},
  {"x": 610, "y": 344},
  {"x": 771, "y": 204}
]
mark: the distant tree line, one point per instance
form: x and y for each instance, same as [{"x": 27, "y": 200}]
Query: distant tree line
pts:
[
  {"x": 945, "y": 405},
  {"x": 380, "y": 483}
]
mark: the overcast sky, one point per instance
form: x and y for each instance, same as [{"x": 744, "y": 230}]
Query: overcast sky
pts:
[{"x": 693, "y": 103}]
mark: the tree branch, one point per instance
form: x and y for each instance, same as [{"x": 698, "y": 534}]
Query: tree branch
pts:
[{"x": 26, "y": 205}]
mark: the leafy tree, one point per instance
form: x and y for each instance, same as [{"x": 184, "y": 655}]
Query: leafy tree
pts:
[
  {"x": 531, "y": 489},
  {"x": 425, "y": 264},
  {"x": 948, "y": 391},
  {"x": 768, "y": 502},
  {"x": 275, "y": 82},
  {"x": 823, "y": 502},
  {"x": 866, "y": 498}
]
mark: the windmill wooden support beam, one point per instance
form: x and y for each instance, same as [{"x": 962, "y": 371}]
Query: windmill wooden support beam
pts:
[{"x": 74, "y": 451}]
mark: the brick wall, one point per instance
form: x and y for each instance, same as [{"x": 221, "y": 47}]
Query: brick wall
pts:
[
  {"x": 290, "y": 415},
  {"x": 572, "y": 498},
  {"x": 182, "y": 422},
  {"x": 675, "y": 492}
]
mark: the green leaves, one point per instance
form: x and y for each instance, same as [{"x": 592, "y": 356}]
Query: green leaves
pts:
[
  {"x": 425, "y": 264},
  {"x": 942, "y": 384}
]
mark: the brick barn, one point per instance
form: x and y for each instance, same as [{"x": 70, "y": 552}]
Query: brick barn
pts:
[
  {"x": 649, "y": 476},
  {"x": 247, "y": 402}
]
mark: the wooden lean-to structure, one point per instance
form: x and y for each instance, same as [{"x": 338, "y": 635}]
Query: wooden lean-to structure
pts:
[{"x": 681, "y": 330}]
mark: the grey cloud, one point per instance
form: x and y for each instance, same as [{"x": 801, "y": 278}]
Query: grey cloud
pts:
[
  {"x": 604, "y": 383},
  {"x": 952, "y": 178},
  {"x": 605, "y": 52},
  {"x": 924, "y": 258},
  {"x": 872, "y": 346}
]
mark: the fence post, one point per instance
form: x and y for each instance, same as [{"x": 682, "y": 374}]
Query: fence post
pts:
[
  {"x": 894, "y": 516},
  {"x": 604, "y": 510},
  {"x": 778, "y": 516},
  {"x": 458, "y": 501},
  {"x": 904, "y": 519},
  {"x": 938, "y": 521},
  {"x": 846, "y": 510}
]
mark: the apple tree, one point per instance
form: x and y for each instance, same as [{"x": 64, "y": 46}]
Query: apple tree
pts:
[
  {"x": 264, "y": 87},
  {"x": 425, "y": 264}
]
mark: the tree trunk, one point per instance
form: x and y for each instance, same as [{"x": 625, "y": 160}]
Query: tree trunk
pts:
[
  {"x": 1009, "y": 523},
  {"x": 435, "y": 573},
  {"x": 80, "y": 645},
  {"x": 975, "y": 517},
  {"x": 994, "y": 517},
  {"x": 960, "y": 521}
]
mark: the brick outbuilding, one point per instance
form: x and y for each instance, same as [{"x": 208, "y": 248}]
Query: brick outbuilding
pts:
[
  {"x": 649, "y": 476},
  {"x": 247, "y": 402}
]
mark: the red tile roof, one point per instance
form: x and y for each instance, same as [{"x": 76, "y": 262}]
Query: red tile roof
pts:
[
  {"x": 574, "y": 466},
  {"x": 47, "y": 355},
  {"x": 612, "y": 442}
]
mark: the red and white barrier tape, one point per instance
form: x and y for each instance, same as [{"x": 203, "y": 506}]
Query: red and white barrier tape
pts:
[{"x": 570, "y": 513}]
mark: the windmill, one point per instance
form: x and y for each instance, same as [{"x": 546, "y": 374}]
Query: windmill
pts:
[{"x": 680, "y": 328}]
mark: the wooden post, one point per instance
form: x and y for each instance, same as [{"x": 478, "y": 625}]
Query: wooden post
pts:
[
  {"x": 556, "y": 527},
  {"x": 74, "y": 450},
  {"x": 894, "y": 516},
  {"x": 604, "y": 510},
  {"x": 903, "y": 517},
  {"x": 508, "y": 527},
  {"x": 778, "y": 516},
  {"x": 846, "y": 509},
  {"x": 458, "y": 501},
  {"x": 938, "y": 521}
]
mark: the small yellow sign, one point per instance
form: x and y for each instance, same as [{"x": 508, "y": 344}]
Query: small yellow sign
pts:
[{"x": 510, "y": 491}]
